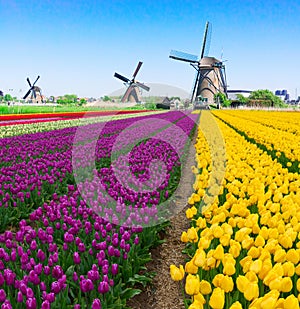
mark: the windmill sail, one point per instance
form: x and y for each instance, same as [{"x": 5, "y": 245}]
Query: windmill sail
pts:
[
  {"x": 132, "y": 93},
  {"x": 178, "y": 55}
]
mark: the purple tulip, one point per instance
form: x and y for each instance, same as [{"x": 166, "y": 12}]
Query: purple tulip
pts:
[
  {"x": 86, "y": 285},
  {"x": 31, "y": 303},
  {"x": 103, "y": 287},
  {"x": 50, "y": 297},
  {"x": 114, "y": 269},
  {"x": 45, "y": 305},
  {"x": 55, "y": 287},
  {"x": 47, "y": 270},
  {"x": 2, "y": 295},
  {"x": 6, "y": 305},
  {"x": 75, "y": 276},
  {"x": 76, "y": 258},
  {"x": 20, "y": 297},
  {"x": 29, "y": 293},
  {"x": 96, "y": 304},
  {"x": 43, "y": 286},
  {"x": 57, "y": 272},
  {"x": 9, "y": 276}
]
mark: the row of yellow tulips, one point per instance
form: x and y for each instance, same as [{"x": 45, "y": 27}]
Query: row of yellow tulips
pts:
[
  {"x": 278, "y": 131},
  {"x": 243, "y": 246}
]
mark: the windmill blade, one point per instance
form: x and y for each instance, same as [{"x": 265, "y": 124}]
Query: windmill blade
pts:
[
  {"x": 142, "y": 86},
  {"x": 177, "y": 55},
  {"x": 126, "y": 94},
  {"x": 28, "y": 81},
  {"x": 137, "y": 69},
  {"x": 36, "y": 80},
  {"x": 27, "y": 94},
  {"x": 195, "y": 87},
  {"x": 34, "y": 93},
  {"x": 121, "y": 77},
  {"x": 206, "y": 40}
]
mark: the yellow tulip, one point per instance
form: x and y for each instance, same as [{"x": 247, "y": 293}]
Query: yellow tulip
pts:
[
  {"x": 196, "y": 305},
  {"x": 267, "y": 266},
  {"x": 256, "y": 266},
  {"x": 297, "y": 269},
  {"x": 199, "y": 298},
  {"x": 298, "y": 285},
  {"x": 270, "y": 300},
  {"x": 191, "y": 268},
  {"x": 254, "y": 252},
  {"x": 217, "y": 299},
  {"x": 200, "y": 258},
  {"x": 291, "y": 302},
  {"x": 184, "y": 237},
  {"x": 256, "y": 303},
  {"x": 286, "y": 284},
  {"x": 247, "y": 242},
  {"x": 192, "y": 284},
  {"x": 285, "y": 241},
  {"x": 219, "y": 253},
  {"x": 259, "y": 241},
  {"x": 217, "y": 280},
  {"x": 293, "y": 256},
  {"x": 205, "y": 287},
  {"x": 225, "y": 240},
  {"x": 204, "y": 242},
  {"x": 251, "y": 291},
  {"x": 264, "y": 233},
  {"x": 201, "y": 223},
  {"x": 191, "y": 212},
  {"x": 192, "y": 234},
  {"x": 288, "y": 269},
  {"x": 218, "y": 232},
  {"x": 280, "y": 255},
  {"x": 226, "y": 284},
  {"x": 236, "y": 305},
  {"x": 242, "y": 282},
  {"x": 229, "y": 268},
  {"x": 275, "y": 284},
  {"x": 235, "y": 249},
  {"x": 251, "y": 276},
  {"x": 177, "y": 274}
]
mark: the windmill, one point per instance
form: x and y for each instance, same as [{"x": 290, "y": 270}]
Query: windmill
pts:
[
  {"x": 210, "y": 77},
  {"x": 35, "y": 91},
  {"x": 132, "y": 93}
]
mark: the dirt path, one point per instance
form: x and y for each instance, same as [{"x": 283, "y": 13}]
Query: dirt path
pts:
[{"x": 164, "y": 293}]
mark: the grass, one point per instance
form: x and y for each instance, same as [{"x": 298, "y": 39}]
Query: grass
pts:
[{"x": 27, "y": 109}]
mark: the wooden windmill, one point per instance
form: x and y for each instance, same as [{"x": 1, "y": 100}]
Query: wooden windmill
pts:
[
  {"x": 34, "y": 91},
  {"x": 210, "y": 76},
  {"x": 132, "y": 93}
]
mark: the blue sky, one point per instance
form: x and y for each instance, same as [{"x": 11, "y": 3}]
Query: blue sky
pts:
[{"x": 76, "y": 46}]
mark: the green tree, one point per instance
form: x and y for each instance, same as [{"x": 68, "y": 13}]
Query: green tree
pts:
[
  {"x": 266, "y": 97},
  {"x": 221, "y": 97},
  {"x": 242, "y": 99},
  {"x": 82, "y": 101},
  {"x": 106, "y": 98},
  {"x": 8, "y": 97},
  {"x": 67, "y": 99}
]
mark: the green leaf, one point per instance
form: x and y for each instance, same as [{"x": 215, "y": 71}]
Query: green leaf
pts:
[
  {"x": 129, "y": 293},
  {"x": 140, "y": 279}
]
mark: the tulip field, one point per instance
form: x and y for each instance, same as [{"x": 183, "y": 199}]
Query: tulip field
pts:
[
  {"x": 84, "y": 198},
  {"x": 72, "y": 233},
  {"x": 243, "y": 248}
]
